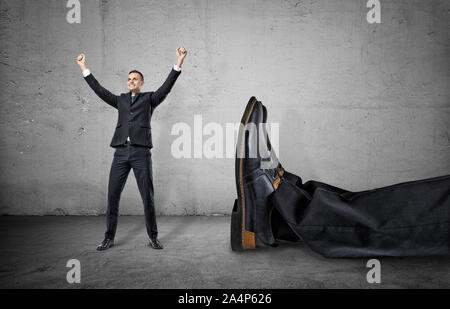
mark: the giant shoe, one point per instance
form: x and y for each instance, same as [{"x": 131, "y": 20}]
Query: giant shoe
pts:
[{"x": 258, "y": 174}]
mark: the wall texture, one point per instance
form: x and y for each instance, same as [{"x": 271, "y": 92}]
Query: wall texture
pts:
[{"x": 359, "y": 105}]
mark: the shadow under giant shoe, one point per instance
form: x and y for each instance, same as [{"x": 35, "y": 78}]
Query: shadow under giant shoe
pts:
[{"x": 258, "y": 174}]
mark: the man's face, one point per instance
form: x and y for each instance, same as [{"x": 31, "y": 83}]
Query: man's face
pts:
[{"x": 134, "y": 82}]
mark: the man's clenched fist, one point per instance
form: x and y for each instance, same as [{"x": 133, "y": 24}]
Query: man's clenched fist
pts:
[
  {"x": 81, "y": 60},
  {"x": 181, "y": 54}
]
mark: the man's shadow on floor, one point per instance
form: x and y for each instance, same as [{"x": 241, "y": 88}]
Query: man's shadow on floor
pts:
[
  {"x": 167, "y": 237},
  {"x": 131, "y": 234}
]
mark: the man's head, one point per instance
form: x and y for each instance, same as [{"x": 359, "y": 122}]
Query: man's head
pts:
[{"x": 135, "y": 81}]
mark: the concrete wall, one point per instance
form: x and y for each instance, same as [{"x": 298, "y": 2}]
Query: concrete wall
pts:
[{"x": 359, "y": 105}]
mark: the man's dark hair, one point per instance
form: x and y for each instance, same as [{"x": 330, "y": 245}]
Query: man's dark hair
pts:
[{"x": 135, "y": 71}]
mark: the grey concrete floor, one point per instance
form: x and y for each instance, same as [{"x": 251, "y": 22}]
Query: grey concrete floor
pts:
[{"x": 34, "y": 252}]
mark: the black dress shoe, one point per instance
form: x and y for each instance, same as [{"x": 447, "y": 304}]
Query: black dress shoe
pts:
[
  {"x": 155, "y": 244},
  {"x": 258, "y": 174},
  {"x": 106, "y": 244}
]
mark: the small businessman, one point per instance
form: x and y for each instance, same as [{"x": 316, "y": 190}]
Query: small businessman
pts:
[{"x": 132, "y": 141}]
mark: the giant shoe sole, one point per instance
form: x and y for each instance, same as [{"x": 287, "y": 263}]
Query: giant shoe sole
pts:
[{"x": 258, "y": 174}]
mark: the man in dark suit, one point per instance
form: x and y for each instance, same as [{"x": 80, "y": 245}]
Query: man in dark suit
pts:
[{"x": 133, "y": 142}]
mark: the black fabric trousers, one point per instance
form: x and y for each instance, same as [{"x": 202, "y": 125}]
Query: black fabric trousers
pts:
[
  {"x": 404, "y": 219},
  {"x": 140, "y": 159}
]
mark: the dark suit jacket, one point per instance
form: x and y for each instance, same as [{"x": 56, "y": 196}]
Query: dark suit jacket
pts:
[{"x": 134, "y": 118}]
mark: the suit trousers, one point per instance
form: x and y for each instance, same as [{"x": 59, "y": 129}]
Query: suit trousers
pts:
[
  {"x": 140, "y": 159},
  {"x": 403, "y": 219}
]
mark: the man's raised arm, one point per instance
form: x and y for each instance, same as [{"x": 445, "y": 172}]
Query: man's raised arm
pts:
[
  {"x": 103, "y": 93},
  {"x": 159, "y": 95}
]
